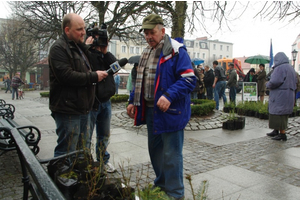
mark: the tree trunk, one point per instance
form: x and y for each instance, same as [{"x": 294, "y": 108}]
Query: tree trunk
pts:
[{"x": 178, "y": 19}]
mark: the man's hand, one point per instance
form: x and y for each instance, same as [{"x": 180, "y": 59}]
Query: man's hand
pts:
[
  {"x": 89, "y": 40},
  {"x": 101, "y": 75},
  {"x": 163, "y": 103},
  {"x": 214, "y": 85},
  {"x": 131, "y": 110}
]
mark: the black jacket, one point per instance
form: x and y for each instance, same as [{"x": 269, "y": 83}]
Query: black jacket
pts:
[
  {"x": 209, "y": 78},
  {"x": 247, "y": 78},
  {"x": 72, "y": 84},
  {"x": 107, "y": 87}
]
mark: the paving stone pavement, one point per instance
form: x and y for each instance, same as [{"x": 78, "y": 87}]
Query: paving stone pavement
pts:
[{"x": 240, "y": 164}]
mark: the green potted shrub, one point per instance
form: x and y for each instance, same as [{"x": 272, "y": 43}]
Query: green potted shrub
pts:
[
  {"x": 240, "y": 108},
  {"x": 263, "y": 111}
]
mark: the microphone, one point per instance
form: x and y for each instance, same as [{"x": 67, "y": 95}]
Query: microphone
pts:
[{"x": 116, "y": 66}]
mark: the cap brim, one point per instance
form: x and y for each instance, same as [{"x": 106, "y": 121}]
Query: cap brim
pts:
[{"x": 148, "y": 26}]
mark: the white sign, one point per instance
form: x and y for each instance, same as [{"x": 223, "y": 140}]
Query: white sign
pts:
[{"x": 249, "y": 91}]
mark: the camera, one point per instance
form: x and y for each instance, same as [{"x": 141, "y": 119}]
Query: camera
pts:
[{"x": 100, "y": 35}]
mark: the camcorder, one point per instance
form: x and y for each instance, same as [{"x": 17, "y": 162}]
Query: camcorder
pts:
[{"x": 100, "y": 35}]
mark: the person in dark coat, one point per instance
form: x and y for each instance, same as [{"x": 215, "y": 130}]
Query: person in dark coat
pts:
[
  {"x": 208, "y": 80},
  {"x": 194, "y": 93},
  {"x": 282, "y": 85},
  {"x": 261, "y": 82},
  {"x": 8, "y": 83},
  {"x": 133, "y": 75},
  {"x": 250, "y": 76},
  {"x": 72, "y": 86},
  {"x": 231, "y": 83},
  {"x": 201, "y": 93}
]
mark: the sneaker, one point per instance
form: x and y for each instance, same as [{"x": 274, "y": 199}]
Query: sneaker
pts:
[{"x": 110, "y": 168}]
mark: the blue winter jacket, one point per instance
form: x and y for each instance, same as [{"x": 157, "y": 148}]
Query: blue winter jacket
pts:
[
  {"x": 175, "y": 79},
  {"x": 282, "y": 85}
]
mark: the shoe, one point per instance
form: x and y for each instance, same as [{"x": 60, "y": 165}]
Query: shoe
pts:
[
  {"x": 273, "y": 133},
  {"x": 280, "y": 137},
  {"x": 109, "y": 168}
]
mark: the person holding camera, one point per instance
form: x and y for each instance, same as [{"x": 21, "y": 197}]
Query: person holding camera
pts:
[
  {"x": 101, "y": 113},
  {"x": 72, "y": 86}
]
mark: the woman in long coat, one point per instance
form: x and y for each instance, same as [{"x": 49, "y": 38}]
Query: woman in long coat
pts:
[
  {"x": 282, "y": 85},
  {"x": 261, "y": 82}
]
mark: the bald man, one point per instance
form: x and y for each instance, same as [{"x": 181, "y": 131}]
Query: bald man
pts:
[{"x": 72, "y": 86}]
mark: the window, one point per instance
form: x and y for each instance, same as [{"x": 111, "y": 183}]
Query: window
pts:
[
  {"x": 203, "y": 55},
  {"x": 123, "y": 49},
  {"x": 194, "y": 55},
  {"x": 196, "y": 44},
  {"x": 227, "y": 48},
  {"x": 132, "y": 50},
  {"x": 221, "y": 56},
  {"x": 137, "y": 50},
  {"x": 188, "y": 43},
  {"x": 214, "y": 56},
  {"x": 221, "y": 47},
  {"x": 214, "y": 46}
]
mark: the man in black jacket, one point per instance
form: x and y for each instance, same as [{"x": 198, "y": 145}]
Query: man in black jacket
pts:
[
  {"x": 208, "y": 81},
  {"x": 101, "y": 114},
  {"x": 72, "y": 86}
]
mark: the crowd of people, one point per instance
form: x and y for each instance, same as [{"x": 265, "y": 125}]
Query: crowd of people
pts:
[{"x": 161, "y": 87}]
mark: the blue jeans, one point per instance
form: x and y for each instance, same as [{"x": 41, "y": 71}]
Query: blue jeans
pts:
[
  {"x": 209, "y": 92},
  {"x": 101, "y": 118},
  {"x": 15, "y": 90},
  {"x": 220, "y": 92},
  {"x": 232, "y": 94},
  {"x": 8, "y": 88},
  {"x": 72, "y": 131},
  {"x": 165, "y": 152}
]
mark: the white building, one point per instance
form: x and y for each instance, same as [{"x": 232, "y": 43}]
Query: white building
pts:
[{"x": 208, "y": 50}]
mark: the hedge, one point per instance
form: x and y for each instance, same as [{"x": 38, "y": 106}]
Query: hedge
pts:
[{"x": 199, "y": 107}]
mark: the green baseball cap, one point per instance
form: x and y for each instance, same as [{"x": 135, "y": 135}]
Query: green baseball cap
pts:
[{"x": 151, "y": 21}]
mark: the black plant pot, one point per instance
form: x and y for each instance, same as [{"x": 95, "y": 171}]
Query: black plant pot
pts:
[
  {"x": 230, "y": 125},
  {"x": 68, "y": 187},
  {"x": 224, "y": 125},
  {"x": 266, "y": 116},
  {"x": 261, "y": 116},
  {"x": 240, "y": 123},
  {"x": 226, "y": 109}
]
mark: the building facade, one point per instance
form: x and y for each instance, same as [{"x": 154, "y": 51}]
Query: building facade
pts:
[{"x": 208, "y": 50}]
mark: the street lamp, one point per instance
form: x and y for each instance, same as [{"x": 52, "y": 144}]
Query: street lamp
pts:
[{"x": 294, "y": 54}]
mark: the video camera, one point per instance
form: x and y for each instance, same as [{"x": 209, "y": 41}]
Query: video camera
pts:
[{"x": 94, "y": 31}]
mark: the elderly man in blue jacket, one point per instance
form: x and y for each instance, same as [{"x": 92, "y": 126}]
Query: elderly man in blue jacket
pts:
[{"x": 165, "y": 78}]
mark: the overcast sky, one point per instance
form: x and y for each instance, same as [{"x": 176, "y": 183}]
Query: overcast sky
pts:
[{"x": 249, "y": 36}]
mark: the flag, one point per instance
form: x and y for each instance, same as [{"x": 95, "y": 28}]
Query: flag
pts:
[{"x": 271, "y": 55}]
